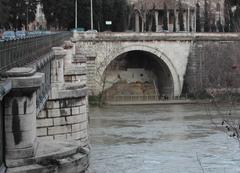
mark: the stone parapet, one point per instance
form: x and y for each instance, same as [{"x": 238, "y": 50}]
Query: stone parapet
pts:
[
  {"x": 20, "y": 114},
  {"x": 65, "y": 114},
  {"x": 5, "y": 87},
  {"x": 57, "y": 157},
  {"x": 64, "y": 119},
  {"x": 157, "y": 36},
  {"x": 54, "y": 139}
]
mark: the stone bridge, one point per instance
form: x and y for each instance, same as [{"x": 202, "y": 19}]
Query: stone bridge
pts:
[
  {"x": 44, "y": 93},
  {"x": 43, "y": 106},
  {"x": 176, "y": 59}
]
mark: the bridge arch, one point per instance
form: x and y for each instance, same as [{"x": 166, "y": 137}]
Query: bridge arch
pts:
[{"x": 158, "y": 54}]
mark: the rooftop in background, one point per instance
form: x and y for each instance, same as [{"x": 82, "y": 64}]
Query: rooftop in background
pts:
[
  {"x": 171, "y": 4},
  {"x": 159, "y": 4}
]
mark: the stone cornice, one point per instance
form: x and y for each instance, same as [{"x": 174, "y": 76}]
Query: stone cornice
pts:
[{"x": 154, "y": 36}]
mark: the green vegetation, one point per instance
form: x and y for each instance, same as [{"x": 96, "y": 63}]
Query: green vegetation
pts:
[
  {"x": 14, "y": 13},
  {"x": 165, "y": 17},
  {"x": 198, "y": 22},
  {"x": 174, "y": 23},
  {"x": 180, "y": 16},
  {"x": 60, "y": 14},
  {"x": 94, "y": 100},
  {"x": 206, "y": 17}
]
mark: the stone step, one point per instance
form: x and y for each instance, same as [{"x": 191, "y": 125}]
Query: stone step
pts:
[{"x": 59, "y": 157}]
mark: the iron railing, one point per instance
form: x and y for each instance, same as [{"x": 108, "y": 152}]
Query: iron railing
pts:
[
  {"x": 18, "y": 53},
  {"x": 43, "y": 91},
  {"x": 1, "y": 138},
  {"x": 141, "y": 98}
]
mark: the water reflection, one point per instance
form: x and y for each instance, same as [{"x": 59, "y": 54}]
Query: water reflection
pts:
[{"x": 168, "y": 139}]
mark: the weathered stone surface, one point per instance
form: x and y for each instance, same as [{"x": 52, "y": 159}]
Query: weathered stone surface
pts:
[
  {"x": 54, "y": 104},
  {"x": 25, "y": 122},
  {"x": 173, "y": 54},
  {"x": 42, "y": 132},
  {"x": 51, "y": 113},
  {"x": 59, "y": 130},
  {"x": 65, "y": 111},
  {"x": 20, "y": 72},
  {"x": 173, "y": 49},
  {"x": 20, "y": 153},
  {"x": 56, "y": 157},
  {"x": 60, "y": 121},
  {"x": 24, "y": 78},
  {"x": 46, "y": 138},
  {"x": 26, "y": 105},
  {"x": 20, "y": 114},
  {"x": 27, "y": 139},
  {"x": 64, "y": 94},
  {"x": 59, "y": 51},
  {"x": 44, "y": 122},
  {"x": 42, "y": 114},
  {"x": 75, "y": 110},
  {"x": 5, "y": 87},
  {"x": 60, "y": 137}
]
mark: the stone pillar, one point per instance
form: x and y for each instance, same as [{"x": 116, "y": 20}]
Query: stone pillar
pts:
[
  {"x": 57, "y": 75},
  {"x": 20, "y": 114},
  {"x": 65, "y": 115},
  {"x": 177, "y": 20},
  {"x": 189, "y": 24},
  {"x": 156, "y": 21},
  {"x": 185, "y": 21},
  {"x": 168, "y": 19},
  {"x": 137, "y": 22},
  {"x": 57, "y": 70}
]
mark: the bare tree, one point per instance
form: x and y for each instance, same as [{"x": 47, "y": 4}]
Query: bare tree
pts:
[
  {"x": 224, "y": 88},
  {"x": 103, "y": 68},
  {"x": 142, "y": 10},
  {"x": 146, "y": 13}
]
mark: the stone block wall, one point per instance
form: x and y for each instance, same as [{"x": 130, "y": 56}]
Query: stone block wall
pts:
[
  {"x": 35, "y": 141},
  {"x": 65, "y": 114},
  {"x": 75, "y": 78},
  {"x": 20, "y": 124},
  {"x": 91, "y": 73},
  {"x": 213, "y": 64},
  {"x": 64, "y": 120}
]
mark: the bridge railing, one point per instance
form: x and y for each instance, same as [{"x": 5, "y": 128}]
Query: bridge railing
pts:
[
  {"x": 43, "y": 91},
  {"x": 141, "y": 98},
  {"x": 21, "y": 52}
]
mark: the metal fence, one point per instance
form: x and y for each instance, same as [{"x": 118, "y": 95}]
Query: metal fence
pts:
[
  {"x": 1, "y": 138},
  {"x": 20, "y": 52},
  {"x": 141, "y": 98},
  {"x": 133, "y": 98},
  {"x": 43, "y": 91}
]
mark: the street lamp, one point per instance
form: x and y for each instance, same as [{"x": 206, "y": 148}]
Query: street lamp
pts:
[
  {"x": 27, "y": 3},
  {"x": 91, "y": 14},
  {"x": 76, "y": 14}
]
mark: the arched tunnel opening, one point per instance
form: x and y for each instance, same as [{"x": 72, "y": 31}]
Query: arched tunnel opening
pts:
[{"x": 138, "y": 73}]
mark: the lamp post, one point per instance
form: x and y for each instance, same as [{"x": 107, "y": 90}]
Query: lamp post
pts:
[
  {"x": 76, "y": 14},
  {"x": 91, "y": 14},
  {"x": 27, "y": 3}
]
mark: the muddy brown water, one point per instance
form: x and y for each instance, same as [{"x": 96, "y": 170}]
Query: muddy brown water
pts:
[{"x": 160, "y": 139}]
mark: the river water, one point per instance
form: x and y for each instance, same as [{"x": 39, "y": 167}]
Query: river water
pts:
[{"x": 160, "y": 139}]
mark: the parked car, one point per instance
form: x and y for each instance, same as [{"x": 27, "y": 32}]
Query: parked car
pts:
[
  {"x": 78, "y": 30},
  {"x": 21, "y": 34},
  {"x": 91, "y": 31},
  {"x": 9, "y": 35}
]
